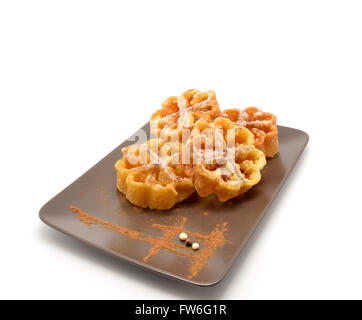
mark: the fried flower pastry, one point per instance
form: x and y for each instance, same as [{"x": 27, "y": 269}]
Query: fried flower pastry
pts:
[
  {"x": 182, "y": 112},
  {"x": 150, "y": 175},
  {"x": 224, "y": 160},
  {"x": 197, "y": 148},
  {"x": 261, "y": 124}
]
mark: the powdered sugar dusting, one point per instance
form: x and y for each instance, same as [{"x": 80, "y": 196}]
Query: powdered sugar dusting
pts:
[{"x": 244, "y": 119}]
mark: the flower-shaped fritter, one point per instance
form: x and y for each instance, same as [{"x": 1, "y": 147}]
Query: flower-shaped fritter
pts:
[
  {"x": 178, "y": 113},
  {"x": 224, "y": 160},
  {"x": 150, "y": 175},
  {"x": 263, "y": 125}
]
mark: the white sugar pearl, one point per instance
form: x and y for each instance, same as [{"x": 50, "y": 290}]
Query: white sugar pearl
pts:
[
  {"x": 195, "y": 246},
  {"x": 183, "y": 236}
]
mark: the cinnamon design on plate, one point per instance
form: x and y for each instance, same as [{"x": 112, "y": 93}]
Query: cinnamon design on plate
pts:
[{"x": 197, "y": 260}]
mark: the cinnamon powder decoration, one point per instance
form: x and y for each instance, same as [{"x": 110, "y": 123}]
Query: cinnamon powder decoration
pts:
[{"x": 208, "y": 243}]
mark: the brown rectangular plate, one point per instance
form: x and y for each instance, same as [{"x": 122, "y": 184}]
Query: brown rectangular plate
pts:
[{"x": 150, "y": 238}]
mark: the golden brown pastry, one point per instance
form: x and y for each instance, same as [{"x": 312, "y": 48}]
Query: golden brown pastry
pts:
[{"x": 263, "y": 125}]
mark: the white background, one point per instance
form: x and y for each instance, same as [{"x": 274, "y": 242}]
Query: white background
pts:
[{"x": 78, "y": 77}]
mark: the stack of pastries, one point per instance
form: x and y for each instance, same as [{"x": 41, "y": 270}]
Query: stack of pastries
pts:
[{"x": 198, "y": 148}]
